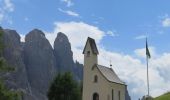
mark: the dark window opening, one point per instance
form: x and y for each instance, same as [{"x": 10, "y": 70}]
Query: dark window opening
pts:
[
  {"x": 112, "y": 94},
  {"x": 119, "y": 95},
  {"x": 95, "y": 79},
  {"x": 88, "y": 53},
  {"x": 95, "y": 96}
]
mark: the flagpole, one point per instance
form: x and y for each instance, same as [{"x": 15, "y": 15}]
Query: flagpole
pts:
[
  {"x": 147, "y": 60},
  {"x": 147, "y": 74}
]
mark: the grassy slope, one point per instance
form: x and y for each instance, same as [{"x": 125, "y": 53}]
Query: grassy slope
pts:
[{"x": 165, "y": 96}]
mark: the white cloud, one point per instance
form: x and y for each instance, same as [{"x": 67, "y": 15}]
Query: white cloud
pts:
[
  {"x": 142, "y": 52},
  {"x": 112, "y": 33},
  {"x": 69, "y": 3},
  {"x": 130, "y": 68},
  {"x": 77, "y": 31},
  {"x": 133, "y": 71},
  {"x": 69, "y": 12},
  {"x": 22, "y": 39},
  {"x": 166, "y": 22},
  {"x": 141, "y": 37},
  {"x": 6, "y": 7}
]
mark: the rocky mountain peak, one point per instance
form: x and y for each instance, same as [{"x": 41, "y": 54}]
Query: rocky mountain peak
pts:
[
  {"x": 12, "y": 34},
  {"x": 34, "y": 34},
  {"x": 61, "y": 39},
  {"x": 64, "y": 56},
  {"x": 39, "y": 60},
  {"x": 62, "y": 51},
  {"x": 62, "y": 36}
]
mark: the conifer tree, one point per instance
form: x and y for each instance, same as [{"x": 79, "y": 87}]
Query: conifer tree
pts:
[{"x": 64, "y": 87}]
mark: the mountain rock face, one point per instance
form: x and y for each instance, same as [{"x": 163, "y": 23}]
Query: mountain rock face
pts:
[
  {"x": 62, "y": 51},
  {"x": 39, "y": 60},
  {"x": 13, "y": 54},
  {"x": 78, "y": 71},
  {"x": 64, "y": 56},
  {"x": 36, "y": 62}
]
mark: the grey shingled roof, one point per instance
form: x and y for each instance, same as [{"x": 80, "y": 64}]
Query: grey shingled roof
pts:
[
  {"x": 92, "y": 45},
  {"x": 109, "y": 74}
]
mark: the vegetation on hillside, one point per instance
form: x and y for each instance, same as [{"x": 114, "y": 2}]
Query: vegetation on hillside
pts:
[
  {"x": 64, "y": 87},
  {"x": 165, "y": 96},
  {"x": 5, "y": 94}
]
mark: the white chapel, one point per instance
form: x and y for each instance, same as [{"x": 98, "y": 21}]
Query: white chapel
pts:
[{"x": 99, "y": 82}]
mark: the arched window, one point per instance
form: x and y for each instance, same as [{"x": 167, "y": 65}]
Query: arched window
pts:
[
  {"x": 95, "y": 79},
  {"x": 95, "y": 96}
]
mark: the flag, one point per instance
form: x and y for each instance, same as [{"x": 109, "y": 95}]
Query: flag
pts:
[{"x": 147, "y": 50}]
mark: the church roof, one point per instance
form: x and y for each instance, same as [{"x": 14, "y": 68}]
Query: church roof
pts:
[
  {"x": 109, "y": 74},
  {"x": 92, "y": 45}
]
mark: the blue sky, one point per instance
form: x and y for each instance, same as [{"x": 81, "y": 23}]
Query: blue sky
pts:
[
  {"x": 119, "y": 27},
  {"x": 128, "y": 18}
]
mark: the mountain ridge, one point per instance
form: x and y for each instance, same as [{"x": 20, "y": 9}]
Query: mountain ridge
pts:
[{"x": 35, "y": 62}]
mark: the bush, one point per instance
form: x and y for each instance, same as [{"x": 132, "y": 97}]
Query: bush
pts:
[{"x": 6, "y": 94}]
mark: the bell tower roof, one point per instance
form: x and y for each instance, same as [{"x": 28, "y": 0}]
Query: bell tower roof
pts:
[{"x": 92, "y": 45}]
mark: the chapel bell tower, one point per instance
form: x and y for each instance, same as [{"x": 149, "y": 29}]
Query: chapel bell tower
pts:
[{"x": 90, "y": 59}]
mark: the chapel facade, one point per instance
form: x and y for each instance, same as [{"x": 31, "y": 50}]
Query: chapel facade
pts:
[{"x": 99, "y": 82}]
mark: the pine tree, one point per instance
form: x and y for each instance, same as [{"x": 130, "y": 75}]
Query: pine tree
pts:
[{"x": 64, "y": 87}]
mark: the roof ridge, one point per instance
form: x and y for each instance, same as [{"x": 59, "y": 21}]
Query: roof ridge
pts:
[{"x": 105, "y": 66}]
